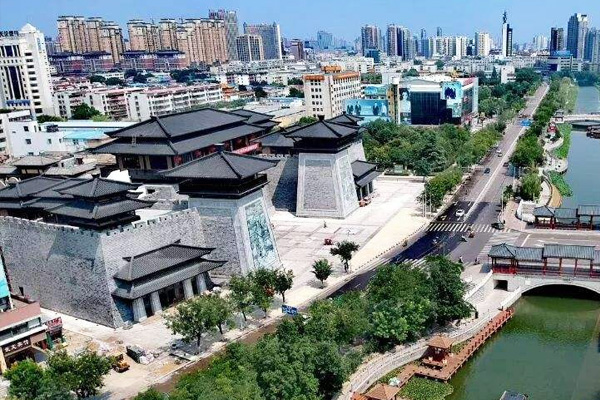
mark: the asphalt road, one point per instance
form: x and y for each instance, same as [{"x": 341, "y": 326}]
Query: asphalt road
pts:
[{"x": 480, "y": 199}]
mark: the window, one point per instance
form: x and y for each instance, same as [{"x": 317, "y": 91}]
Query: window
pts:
[
  {"x": 49, "y": 141},
  {"x": 27, "y": 141},
  {"x": 26, "y": 128}
]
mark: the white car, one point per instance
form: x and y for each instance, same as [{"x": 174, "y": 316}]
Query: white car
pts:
[{"x": 460, "y": 213}]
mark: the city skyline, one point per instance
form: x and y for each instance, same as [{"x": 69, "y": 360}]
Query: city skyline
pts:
[{"x": 468, "y": 18}]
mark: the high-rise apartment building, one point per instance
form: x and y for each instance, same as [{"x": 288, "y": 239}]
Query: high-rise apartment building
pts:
[
  {"x": 297, "y": 49},
  {"x": 232, "y": 30},
  {"x": 576, "y": 35},
  {"x": 324, "y": 40},
  {"x": 250, "y": 48},
  {"x": 203, "y": 40},
  {"x": 483, "y": 44},
  {"x": 25, "y": 71},
  {"x": 80, "y": 35},
  {"x": 557, "y": 39},
  {"x": 592, "y": 48},
  {"x": 143, "y": 36},
  {"x": 507, "y": 37},
  {"x": 167, "y": 31},
  {"x": 271, "y": 38},
  {"x": 325, "y": 93},
  {"x": 370, "y": 38},
  {"x": 540, "y": 42},
  {"x": 439, "y": 32}
]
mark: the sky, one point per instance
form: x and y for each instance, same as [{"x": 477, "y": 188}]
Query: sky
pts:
[{"x": 303, "y": 18}]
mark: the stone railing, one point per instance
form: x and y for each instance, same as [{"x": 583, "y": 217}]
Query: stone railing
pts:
[{"x": 382, "y": 364}]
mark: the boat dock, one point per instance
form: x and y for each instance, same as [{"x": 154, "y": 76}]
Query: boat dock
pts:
[{"x": 449, "y": 366}]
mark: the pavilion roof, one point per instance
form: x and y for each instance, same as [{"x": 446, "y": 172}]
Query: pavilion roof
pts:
[
  {"x": 346, "y": 119},
  {"x": 382, "y": 391},
  {"x": 86, "y": 210},
  {"x": 221, "y": 165},
  {"x": 28, "y": 187},
  {"x": 97, "y": 188},
  {"x": 275, "y": 139},
  {"x": 323, "y": 130},
  {"x": 589, "y": 210},
  {"x": 441, "y": 342},
  {"x": 543, "y": 211},
  {"x": 569, "y": 251},
  {"x": 565, "y": 213},
  {"x": 35, "y": 161}
]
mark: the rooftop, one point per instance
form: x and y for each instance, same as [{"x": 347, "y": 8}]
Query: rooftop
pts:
[
  {"x": 323, "y": 130},
  {"x": 97, "y": 187}
]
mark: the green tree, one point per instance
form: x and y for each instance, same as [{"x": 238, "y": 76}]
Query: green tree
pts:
[
  {"x": 296, "y": 93},
  {"x": 27, "y": 380},
  {"x": 150, "y": 394},
  {"x": 260, "y": 93},
  {"x": 283, "y": 282},
  {"x": 322, "y": 269},
  {"x": 263, "y": 288},
  {"x": 439, "y": 64},
  {"x": 219, "y": 312},
  {"x": 192, "y": 319},
  {"x": 83, "y": 374},
  {"x": 48, "y": 118},
  {"x": 114, "y": 82},
  {"x": 531, "y": 186},
  {"x": 389, "y": 327},
  {"x": 100, "y": 118},
  {"x": 295, "y": 81},
  {"x": 85, "y": 111},
  {"x": 344, "y": 250},
  {"x": 330, "y": 368},
  {"x": 306, "y": 120},
  {"x": 241, "y": 294},
  {"x": 97, "y": 78},
  {"x": 447, "y": 290},
  {"x": 411, "y": 73}
]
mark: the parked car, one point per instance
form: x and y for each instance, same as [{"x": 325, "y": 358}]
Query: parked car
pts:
[
  {"x": 487, "y": 170},
  {"x": 498, "y": 225},
  {"x": 460, "y": 213}
]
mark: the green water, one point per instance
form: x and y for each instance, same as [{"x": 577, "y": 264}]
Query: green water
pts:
[
  {"x": 584, "y": 156},
  {"x": 550, "y": 350}
]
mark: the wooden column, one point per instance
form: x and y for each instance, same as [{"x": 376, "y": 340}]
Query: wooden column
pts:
[
  {"x": 575, "y": 271},
  {"x": 560, "y": 266},
  {"x": 545, "y": 265}
]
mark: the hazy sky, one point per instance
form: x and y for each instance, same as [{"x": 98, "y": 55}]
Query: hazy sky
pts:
[{"x": 302, "y": 18}]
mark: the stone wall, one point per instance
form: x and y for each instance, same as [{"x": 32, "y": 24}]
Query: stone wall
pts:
[{"x": 280, "y": 192}]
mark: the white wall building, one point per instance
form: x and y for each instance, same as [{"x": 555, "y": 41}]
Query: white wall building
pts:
[
  {"x": 66, "y": 101},
  {"x": 111, "y": 102},
  {"x": 143, "y": 105},
  {"x": 483, "y": 44},
  {"x": 325, "y": 93},
  {"x": 25, "y": 71}
]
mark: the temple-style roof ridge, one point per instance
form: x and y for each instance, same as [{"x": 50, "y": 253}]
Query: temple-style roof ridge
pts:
[
  {"x": 29, "y": 187},
  {"x": 323, "y": 129},
  {"x": 98, "y": 187},
  {"x": 221, "y": 165}
]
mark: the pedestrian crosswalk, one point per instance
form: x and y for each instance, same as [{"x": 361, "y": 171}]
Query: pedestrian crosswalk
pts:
[
  {"x": 498, "y": 238},
  {"x": 462, "y": 227},
  {"x": 419, "y": 263}
]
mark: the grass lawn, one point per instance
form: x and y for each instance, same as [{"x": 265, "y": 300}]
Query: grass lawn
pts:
[
  {"x": 425, "y": 389},
  {"x": 563, "y": 151},
  {"x": 559, "y": 181}
]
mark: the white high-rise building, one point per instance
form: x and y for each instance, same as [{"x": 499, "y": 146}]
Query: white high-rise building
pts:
[
  {"x": 540, "y": 42},
  {"x": 271, "y": 39},
  {"x": 326, "y": 92},
  {"x": 483, "y": 44},
  {"x": 25, "y": 71}
]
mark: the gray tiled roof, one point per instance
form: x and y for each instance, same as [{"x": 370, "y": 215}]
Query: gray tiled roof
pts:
[
  {"x": 366, "y": 178},
  {"x": 221, "y": 165},
  {"x": 70, "y": 171},
  {"x": 543, "y": 211},
  {"x": 160, "y": 259},
  {"x": 565, "y": 213},
  {"x": 35, "y": 161},
  {"x": 98, "y": 187},
  {"x": 165, "y": 279},
  {"x": 596, "y": 256},
  {"x": 118, "y": 147},
  {"x": 502, "y": 251},
  {"x": 28, "y": 187},
  {"x": 220, "y": 136},
  {"x": 178, "y": 124},
  {"x": 253, "y": 116},
  {"x": 86, "y": 210},
  {"x": 346, "y": 119},
  {"x": 360, "y": 168},
  {"x": 586, "y": 210},
  {"x": 323, "y": 130},
  {"x": 276, "y": 139},
  {"x": 569, "y": 251},
  {"x": 6, "y": 169},
  {"x": 529, "y": 253}
]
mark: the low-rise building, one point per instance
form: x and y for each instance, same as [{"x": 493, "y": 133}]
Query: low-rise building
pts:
[
  {"x": 75, "y": 63},
  {"x": 145, "y": 104},
  {"x": 111, "y": 102},
  {"x": 163, "y": 60}
]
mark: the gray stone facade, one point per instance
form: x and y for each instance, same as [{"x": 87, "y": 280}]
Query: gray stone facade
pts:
[
  {"x": 241, "y": 231},
  {"x": 280, "y": 192},
  {"x": 71, "y": 270},
  {"x": 326, "y": 185}
]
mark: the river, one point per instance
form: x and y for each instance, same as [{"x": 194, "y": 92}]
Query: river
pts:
[
  {"x": 550, "y": 350},
  {"x": 584, "y": 157}
]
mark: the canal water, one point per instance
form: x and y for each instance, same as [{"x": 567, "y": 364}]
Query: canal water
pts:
[
  {"x": 583, "y": 174},
  {"x": 550, "y": 350}
]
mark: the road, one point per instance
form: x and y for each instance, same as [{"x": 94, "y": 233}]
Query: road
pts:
[{"x": 479, "y": 198}]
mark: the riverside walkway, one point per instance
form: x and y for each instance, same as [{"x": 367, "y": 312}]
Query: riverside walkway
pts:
[{"x": 455, "y": 361}]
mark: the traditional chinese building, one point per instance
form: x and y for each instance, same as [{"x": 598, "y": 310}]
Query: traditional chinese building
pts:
[{"x": 225, "y": 189}]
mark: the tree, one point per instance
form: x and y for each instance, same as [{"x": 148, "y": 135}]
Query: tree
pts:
[
  {"x": 192, "y": 319},
  {"x": 100, "y": 118},
  {"x": 295, "y": 81},
  {"x": 344, "y": 250},
  {"x": 114, "y": 82},
  {"x": 283, "y": 282},
  {"x": 389, "y": 326},
  {"x": 48, "y": 118},
  {"x": 296, "y": 93},
  {"x": 83, "y": 374},
  {"x": 531, "y": 186},
  {"x": 97, "y": 78},
  {"x": 140, "y": 78},
  {"x": 447, "y": 290},
  {"x": 260, "y": 93},
  {"x": 129, "y": 73},
  {"x": 411, "y": 73},
  {"x": 219, "y": 311},
  {"x": 27, "y": 380},
  {"x": 330, "y": 369},
  {"x": 439, "y": 64},
  {"x": 322, "y": 269},
  {"x": 242, "y": 88},
  {"x": 262, "y": 298},
  {"x": 84, "y": 111},
  {"x": 306, "y": 120},
  {"x": 150, "y": 394},
  {"x": 241, "y": 294}
]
